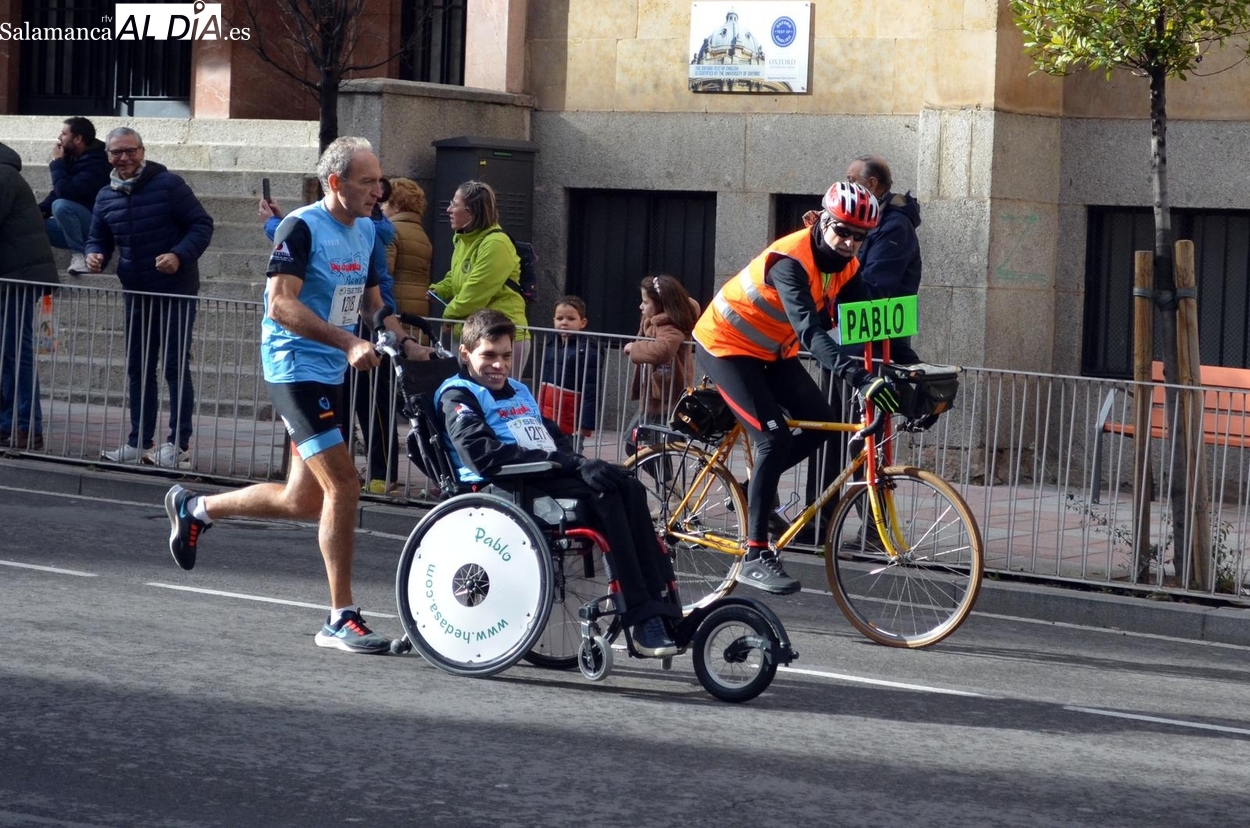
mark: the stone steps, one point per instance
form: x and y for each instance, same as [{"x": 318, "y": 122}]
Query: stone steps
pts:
[
  {"x": 239, "y": 393},
  {"x": 224, "y": 162}
]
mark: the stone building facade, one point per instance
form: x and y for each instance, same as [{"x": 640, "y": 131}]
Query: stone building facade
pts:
[{"x": 1019, "y": 174}]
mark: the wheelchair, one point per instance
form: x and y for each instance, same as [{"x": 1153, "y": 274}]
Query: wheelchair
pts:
[{"x": 492, "y": 574}]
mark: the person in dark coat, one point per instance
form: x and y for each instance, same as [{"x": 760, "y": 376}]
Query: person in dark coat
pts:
[
  {"x": 79, "y": 169},
  {"x": 26, "y": 257},
  {"x": 159, "y": 230},
  {"x": 889, "y": 258}
]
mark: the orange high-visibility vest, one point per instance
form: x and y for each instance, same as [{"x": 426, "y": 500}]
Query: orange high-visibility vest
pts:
[{"x": 747, "y": 318}]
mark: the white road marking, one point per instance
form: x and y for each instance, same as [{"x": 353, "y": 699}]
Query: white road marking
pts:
[
  {"x": 52, "y": 569},
  {"x": 1111, "y": 631},
  {"x": 1240, "y": 731},
  {"x": 882, "y": 683},
  {"x": 260, "y": 598},
  {"x": 1082, "y": 627}
]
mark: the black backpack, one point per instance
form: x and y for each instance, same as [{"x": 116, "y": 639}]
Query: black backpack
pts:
[{"x": 528, "y": 287}]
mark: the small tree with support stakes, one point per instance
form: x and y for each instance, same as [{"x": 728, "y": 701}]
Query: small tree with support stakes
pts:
[{"x": 1155, "y": 39}]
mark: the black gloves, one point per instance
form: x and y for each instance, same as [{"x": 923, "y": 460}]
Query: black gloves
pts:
[
  {"x": 880, "y": 391},
  {"x": 567, "y": 461},
  {"x": 600, "y": 475}
]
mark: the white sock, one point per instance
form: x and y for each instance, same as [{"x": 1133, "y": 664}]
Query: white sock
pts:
[
  {"x": 336, "y": 615},
  {"x": 199, "y": 511}
]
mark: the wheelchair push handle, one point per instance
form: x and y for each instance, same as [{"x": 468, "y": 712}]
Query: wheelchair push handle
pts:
[{"x": 387, "y": 343}]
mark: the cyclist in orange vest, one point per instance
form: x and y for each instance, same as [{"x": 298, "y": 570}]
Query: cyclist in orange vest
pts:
[{"x": 748, "y": 342}]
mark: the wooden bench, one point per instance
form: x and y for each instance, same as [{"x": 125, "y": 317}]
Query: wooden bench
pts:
[{"x": 1225, "y": 418}]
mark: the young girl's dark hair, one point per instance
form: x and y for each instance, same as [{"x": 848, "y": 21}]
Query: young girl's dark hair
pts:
[{"x": 670, "y": 297}]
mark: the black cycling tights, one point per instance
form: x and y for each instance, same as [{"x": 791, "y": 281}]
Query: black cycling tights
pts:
[{"x": 760, "y": 393}]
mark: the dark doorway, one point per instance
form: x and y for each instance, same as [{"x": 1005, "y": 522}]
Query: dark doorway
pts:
[
  {"x": 788, "y": 215},
  {"x": 616, "y": 237},
  {"x": 1222, "y": 267}
]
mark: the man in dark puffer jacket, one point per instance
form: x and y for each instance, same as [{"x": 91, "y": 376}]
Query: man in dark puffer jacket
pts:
[
  {"x": 79, "y": 170},
  {"x": 160, "y": 230},
  {"x": 25, "y": 256}
]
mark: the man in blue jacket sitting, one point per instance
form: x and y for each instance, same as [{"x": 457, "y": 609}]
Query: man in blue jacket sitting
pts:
[
  {"x": 160, "y": 230},
  {"x": 79, "y": 170}
]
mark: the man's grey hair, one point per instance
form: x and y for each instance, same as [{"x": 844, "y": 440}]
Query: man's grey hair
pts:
[
  {"x": 875, "y": 167},
  {"x": 122, "y": 132},
  {"x": 337, "y": 158}
]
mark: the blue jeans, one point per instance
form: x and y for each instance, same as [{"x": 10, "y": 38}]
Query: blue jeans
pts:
[
  {"x": 159, "y": 325},
  {"x": 68, "y": 226},
  {"x": 19, "y": 384}
]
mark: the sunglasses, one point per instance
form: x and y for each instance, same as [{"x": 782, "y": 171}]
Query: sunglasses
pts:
[{"x": 844, "y": 232}]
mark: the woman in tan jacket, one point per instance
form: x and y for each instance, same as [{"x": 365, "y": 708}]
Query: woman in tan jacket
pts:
[
  {"x": 408, "y": 256},
  {"x": 663, "y": 362}
]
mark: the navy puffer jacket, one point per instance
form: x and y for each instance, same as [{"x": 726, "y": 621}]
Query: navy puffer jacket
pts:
[
  {"x": 78, "y": 179},
  {"x": 159, "y": 215}
]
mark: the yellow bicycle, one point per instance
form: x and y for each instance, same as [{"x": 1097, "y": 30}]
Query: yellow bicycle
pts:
[{"x": 903, "y": 554}]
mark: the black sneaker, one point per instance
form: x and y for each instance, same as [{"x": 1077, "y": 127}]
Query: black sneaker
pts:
[
  {"x": 651, "y": 639},
  {"x": 766, "y": 573},
  {"x": 351, "y": 635},
  {"x": 777, "y": 525},
  {"x": 184, "y": 530}
]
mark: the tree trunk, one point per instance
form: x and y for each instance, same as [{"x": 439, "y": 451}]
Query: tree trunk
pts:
[
  {"x": 1143, "y": 399},
  {"x": 328, "y": 109},
  {"x": 1197, "y": 541},
  {"x": 1165, "y": 303}
]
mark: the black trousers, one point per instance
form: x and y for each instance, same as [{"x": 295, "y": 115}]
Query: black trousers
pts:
[
  {"x": 761, "y": 394},
  {"x": 637, "y": 559}
]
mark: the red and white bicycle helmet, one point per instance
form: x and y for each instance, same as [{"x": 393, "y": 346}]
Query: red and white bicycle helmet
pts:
[{"x": 852, "y": 204}]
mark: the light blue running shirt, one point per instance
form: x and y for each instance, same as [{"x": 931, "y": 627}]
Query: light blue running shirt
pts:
[{"x": 333, "y": 261}]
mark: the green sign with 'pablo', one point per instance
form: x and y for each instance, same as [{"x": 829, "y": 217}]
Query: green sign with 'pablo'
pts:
[{"x": 874, "y": 321}]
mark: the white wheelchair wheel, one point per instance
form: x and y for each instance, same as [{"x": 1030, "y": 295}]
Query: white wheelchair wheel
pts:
[{"x": 474, "y": 585}]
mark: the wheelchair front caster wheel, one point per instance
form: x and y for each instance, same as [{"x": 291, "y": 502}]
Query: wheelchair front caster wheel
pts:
[
  {"x": 735, "y": 653},
  {"x": 401, "y": 646},
  {"x": 594, "y": 657}
]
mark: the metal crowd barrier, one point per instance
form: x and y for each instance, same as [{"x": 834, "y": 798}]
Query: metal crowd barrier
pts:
[{"x": 1019, "y": 446}]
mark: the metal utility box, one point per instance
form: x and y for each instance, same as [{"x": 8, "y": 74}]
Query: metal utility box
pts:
[{"x": 506, "y": 165}]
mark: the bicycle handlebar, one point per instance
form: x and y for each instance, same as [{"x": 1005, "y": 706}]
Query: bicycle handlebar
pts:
[{"x": 875, "y": 427}]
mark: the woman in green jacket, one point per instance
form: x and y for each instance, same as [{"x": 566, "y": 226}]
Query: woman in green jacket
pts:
[{"x": 485, "y": 269}]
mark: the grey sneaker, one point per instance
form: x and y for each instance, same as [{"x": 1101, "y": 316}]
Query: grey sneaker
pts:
[
  {"x": 766, "y": 573},
  {"x": 351, "y": 635},
  {"x": 184, "y": 529}
]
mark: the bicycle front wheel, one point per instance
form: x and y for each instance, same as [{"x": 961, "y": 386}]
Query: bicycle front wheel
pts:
[
  {"x": 923, "y": 592},
  {"x": 705, "y": 529}
]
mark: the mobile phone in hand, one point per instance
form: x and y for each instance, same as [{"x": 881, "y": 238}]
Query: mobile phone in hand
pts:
[{"x": 264, "y": 190}]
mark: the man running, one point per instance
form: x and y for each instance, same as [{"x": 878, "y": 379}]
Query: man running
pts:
[{"x": 319, "y": 282}]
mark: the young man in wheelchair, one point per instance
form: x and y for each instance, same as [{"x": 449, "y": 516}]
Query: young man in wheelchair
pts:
[{"x": 491, "y": 420}]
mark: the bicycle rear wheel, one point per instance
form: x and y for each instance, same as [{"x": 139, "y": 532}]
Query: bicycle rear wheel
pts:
[
  {"x": 714, "y": 512},
  {"x": 923, "y": 594}
]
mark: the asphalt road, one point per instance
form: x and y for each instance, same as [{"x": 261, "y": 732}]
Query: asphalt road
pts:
[{"x": 133, "y": 693}]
